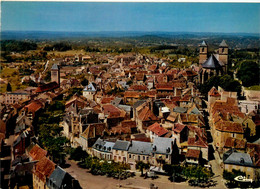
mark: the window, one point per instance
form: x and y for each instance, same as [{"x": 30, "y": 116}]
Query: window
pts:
[
  {"x": 129, "y": 155},
  {"x": 143, "y": 158},
  {"x": 166, "y": 156}
]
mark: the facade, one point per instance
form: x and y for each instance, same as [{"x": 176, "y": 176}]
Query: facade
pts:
[
  {"x": 239, "y": 161},
  {"x": 103, "y": 149},
  {"x": 139, "y": 151},
  {"x": 119, "y": 151},
  {"x": 164, "y": 150},
  {"x": 89, "y": 91}
]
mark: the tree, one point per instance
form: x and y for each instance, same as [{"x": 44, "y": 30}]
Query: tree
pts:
[
  {"x": 84, "y": 82},
  {"x": 9, "y": 87},
  {"x": 78, "y": 154},
  {"x": 141, "y": 165},
  {"x": 248, "y": 73},
  {"x": 225, "y": 81}
]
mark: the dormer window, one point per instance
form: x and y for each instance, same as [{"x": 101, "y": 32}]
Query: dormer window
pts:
[{"x": 242, "y": 160}]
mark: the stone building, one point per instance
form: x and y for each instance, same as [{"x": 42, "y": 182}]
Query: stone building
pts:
[
  {"x": 55, "y": 74},
  {"x": 215, "y": 64}
]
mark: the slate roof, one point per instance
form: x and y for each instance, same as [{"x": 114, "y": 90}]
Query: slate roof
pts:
[
  {"x": 90, "y": 88},
  {"x": 162, "y": 145},
  {"x": 211, "y": 63},
  {"x": 121, "y": 145},
  {"x": 238, "y": 158},
  {"x": 223, "y": 44},
  {"x": 203, "y": 44},
  {"x": 54, "y": 67},
  {"x": 102, "y": 145},
  {"x": 138, "y": 103},
  {"x": 180, "y": 109},
  {"x": 138, "y": 147},
  {"x": 57, "y": 177}
]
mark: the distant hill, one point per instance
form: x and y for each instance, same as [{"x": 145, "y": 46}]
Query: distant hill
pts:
[{"x": 235, "y": 40}]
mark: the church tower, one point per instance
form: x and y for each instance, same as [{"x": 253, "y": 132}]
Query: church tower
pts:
[
  {"x": 55, "y": 74},
  {"x": 223, "y": 54},
  {"x": 203, "y": 53}
]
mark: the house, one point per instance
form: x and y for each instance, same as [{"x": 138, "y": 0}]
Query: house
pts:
[
  {"x": 103, "y": 149},
  {"x": 89, "y": 91},
  {"x": 239, "y": 161},
  {"x": 144, "y": 116},
  {"x": 20, "y": 144},
  {"x": 42, "y": 172},
  {"x": 164, "y": 150},
  {"x": 47, "y": 87},
  {"x": 119, "y": 151},
  {"x": 180, "y": 132},
  {"x": 193, "y": 157},
  {"x": 156, "y": 130},
  {"x": 113, "y": 115},
  {"x": 91, "y": 134},
  {"x": 60, "y": 179},
  {"x": 139, "y": 151},
  {"x": 22, "y": 123},
  {"x": 35, "y": 152}
]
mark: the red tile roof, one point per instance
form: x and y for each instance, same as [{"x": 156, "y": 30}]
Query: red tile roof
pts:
[
  {"x": 157, "y": 129},
  {"x": 47, "y": 87},
  {"x": 197, "y": 141},
  {"x": 37, "y": 153},
  {"x": 178, "y": 127},
  {"x": 235, "y": 143},
  {"x": 107, "y": 100},
  {"x": 193, "y": 153},
  {"x": 229, "y": 126},
  {"x": 213, "y": 92},
  {"x": 34, "y": 106},
  {"x": 44, "y": 169},
  {"x": 147, "y": 115},
  {"x": 113, "y": 111},
  {"x": 131, "y": 94},
  {"x": 138, "y": 88}
]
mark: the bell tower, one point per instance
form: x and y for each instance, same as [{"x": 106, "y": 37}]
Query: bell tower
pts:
[
  {"x": 223, "y": 54},
  {"x": 55, "y": 74},
  {"x": 203, "y": 53}
]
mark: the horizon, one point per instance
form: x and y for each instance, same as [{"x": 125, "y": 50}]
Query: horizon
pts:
[{"x": 96, "y": 17}]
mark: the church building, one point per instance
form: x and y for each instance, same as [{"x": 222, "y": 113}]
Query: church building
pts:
[{"x": 215, "y": 64}]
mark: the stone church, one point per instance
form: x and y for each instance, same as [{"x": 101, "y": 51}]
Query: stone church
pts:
[{"x": 215, "y": 64}]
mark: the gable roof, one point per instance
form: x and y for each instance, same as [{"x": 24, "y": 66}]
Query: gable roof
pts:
[
  {"x": 213, "y": 92},
  {"x": 157, "y": 129},
  {"x": 147, "y": 115},
  {"x": 90, "y": 88},
  {"x": 44, "y": 168},
  {"x": 37, "y": 153},
  {"x": 57, "y": 177}
]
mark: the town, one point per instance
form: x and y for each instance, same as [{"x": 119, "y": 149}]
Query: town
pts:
[{"x": 134, "y": 119}]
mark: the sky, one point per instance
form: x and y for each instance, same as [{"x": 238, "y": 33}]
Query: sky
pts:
[{"x": 115, "y": 16}]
